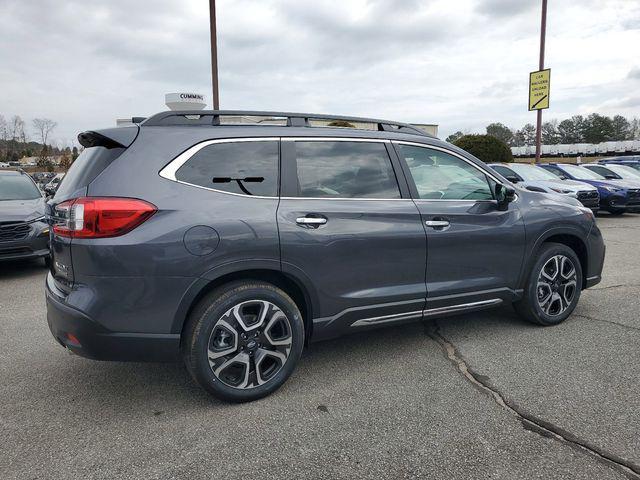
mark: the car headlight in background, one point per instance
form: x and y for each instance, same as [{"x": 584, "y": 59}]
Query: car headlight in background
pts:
[
  {"x": 563, "y": 191},
  {"x": 613, "y": 189}
]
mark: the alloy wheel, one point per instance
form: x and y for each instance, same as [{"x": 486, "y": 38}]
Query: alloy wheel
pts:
[
  {"x": 557, "y": 284},
  {"x": 249, "y": 344}
]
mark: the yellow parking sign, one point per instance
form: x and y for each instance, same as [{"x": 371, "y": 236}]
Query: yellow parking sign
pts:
[{"x": 539, "y": 83}]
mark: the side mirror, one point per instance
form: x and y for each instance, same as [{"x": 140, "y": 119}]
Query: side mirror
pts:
[
  {"x": 610, "y": 176},
  {"x": 504, "y": 195},
  {"x": 512, "y": 178}
]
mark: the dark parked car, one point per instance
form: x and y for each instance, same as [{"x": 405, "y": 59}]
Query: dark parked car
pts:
[
  {"x": 616, "y": 196},
  {"x": 231, "y": 246},
  {"x": 24, "y": 232}
]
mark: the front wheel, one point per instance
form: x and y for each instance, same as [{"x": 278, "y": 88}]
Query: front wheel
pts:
[
  {"x": 554, "y": 286},
  {"x": 243, "y": 341}
]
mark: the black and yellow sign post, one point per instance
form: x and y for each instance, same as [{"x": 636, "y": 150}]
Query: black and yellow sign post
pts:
[{"x": 539, "y": 83}]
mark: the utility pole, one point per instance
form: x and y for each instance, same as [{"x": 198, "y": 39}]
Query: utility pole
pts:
[
  {"x": 543, "y": 34},
  {"x": 214, "y": 54}
]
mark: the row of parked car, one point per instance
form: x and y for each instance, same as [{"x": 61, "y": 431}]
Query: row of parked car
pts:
[{"x": 612, "y": 184}]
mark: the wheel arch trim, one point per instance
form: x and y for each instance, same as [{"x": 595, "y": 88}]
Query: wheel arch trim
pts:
[
  {"x": 566, "y": 231},
  {"x": 258, "y": 269}
]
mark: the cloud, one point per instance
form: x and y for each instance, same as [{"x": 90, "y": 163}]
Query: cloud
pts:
[
  {"x": 634, "y": 73},
  {"x": 506, "y": 8},
  {"x": 461, "y": 64}
]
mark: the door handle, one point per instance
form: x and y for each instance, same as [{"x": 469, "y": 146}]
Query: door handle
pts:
[
  {"x": 313, "y": 222},
  {"x": 437, "y": 223}
]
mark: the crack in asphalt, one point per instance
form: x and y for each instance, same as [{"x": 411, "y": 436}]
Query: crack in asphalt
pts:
[
  {"x": 529, "y": 422},
  {"x": 594, "y": 319},
  {"x": 630, "y": 285}
]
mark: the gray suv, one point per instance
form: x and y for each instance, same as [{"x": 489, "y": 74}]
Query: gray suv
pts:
[{"x": 232, "y": 246}]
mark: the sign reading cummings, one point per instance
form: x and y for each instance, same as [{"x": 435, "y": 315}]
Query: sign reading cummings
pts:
[
  {"x": 185, "y": 101},
  {"x": 539, "y": 84}
]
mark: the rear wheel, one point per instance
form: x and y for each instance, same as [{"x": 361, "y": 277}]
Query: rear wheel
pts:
[
  {"x": 243, "y": 341},
  {"x": 554, "y": 286}
]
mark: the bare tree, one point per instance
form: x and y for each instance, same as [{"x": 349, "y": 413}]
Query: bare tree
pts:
[
  {"x": 4, "y": 129},
  {"x": 4, "y": 135},
  {"x": 43, "y": 127},
  {"x": 16, "y": 129}
]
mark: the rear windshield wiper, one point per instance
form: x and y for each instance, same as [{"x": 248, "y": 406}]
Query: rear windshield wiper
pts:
[{"x": 239, "y": 181}]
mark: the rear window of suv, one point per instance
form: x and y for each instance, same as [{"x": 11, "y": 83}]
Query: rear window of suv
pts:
[
  {"x": 246, "y": 168},
  {"x": 345, "y": 170}
]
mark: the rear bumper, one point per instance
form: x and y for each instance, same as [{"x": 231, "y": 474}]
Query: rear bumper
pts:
[{"x": 94, "y": 341}]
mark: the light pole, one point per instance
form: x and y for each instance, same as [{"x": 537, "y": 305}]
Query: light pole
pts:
[
  {"x": 543, "y": 33},
  {"x": 214, "y": 54}
]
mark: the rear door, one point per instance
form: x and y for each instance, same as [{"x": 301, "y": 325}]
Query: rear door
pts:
[
  {"x": 348, "y": 227},
  {"x": 475, "y": 251}
]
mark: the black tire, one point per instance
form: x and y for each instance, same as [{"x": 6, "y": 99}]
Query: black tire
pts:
[
  {"x": 198, "y": 342},
  {"x": 616, "y": 211},
  {"x": 530, "y": 308}
]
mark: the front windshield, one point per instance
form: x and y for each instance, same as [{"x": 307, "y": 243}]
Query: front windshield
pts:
[
  {"x": 582, "y": 173},
  {"x": 532, "y": 173},
  {"x": 624, "y": 171},
  {"x": 17, "y": 187}
]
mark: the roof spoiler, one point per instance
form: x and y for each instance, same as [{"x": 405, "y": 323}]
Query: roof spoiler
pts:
[{"x": 120, "y": 137}]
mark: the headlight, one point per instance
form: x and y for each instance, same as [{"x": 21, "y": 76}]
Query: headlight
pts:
[
  {"x": 613, "y": 189},
  {"x": 560, "y": 190}
]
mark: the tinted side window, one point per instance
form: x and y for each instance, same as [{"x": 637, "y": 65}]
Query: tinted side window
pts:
[
  {"x": 440, "y": 176},
  {"x": 505, "y": 172},
  {"x": 604, "y": 171},
  {"x": 555, "y": 170},
  {"x": 247, "y": 168},
  {"x": 345, "y": 170}
]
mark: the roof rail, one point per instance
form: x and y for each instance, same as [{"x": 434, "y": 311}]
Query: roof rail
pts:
[{"x": 212, "y": 118}]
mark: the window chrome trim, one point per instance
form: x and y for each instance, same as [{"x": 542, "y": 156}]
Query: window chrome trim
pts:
[
  {"x": 461, "y": 157},
  {"x": 169, "y": 170},
  {"x": 335, "y": 139},
  {"x": 450, "y": 152}
]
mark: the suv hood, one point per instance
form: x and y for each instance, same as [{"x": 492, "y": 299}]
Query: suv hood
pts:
[
  {"x": 625, "y": 183},
  {"x": 576, "y": 185},
  {"x": 571, "y": 185},
  {"x": 21, "y": 210}
]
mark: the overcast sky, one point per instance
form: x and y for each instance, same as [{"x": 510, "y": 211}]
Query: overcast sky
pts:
[{"x": 458, "y": 63}]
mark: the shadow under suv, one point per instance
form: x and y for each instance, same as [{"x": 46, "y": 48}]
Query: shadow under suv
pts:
[{"x": 232, "y": 246}]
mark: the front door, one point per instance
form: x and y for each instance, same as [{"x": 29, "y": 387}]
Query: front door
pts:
[
  {"x": 474, "y": 250},
  {"x": 348, "y": 226}
]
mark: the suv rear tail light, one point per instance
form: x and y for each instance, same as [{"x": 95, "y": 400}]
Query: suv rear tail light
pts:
[{"x": 100, "y": 217}]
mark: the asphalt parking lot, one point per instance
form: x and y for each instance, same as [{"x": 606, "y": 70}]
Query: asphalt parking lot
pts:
[{"x": 477, "y": 396}]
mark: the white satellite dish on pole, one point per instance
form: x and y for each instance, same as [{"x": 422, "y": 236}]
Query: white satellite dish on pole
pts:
[{"x": 185, "y": 101}]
